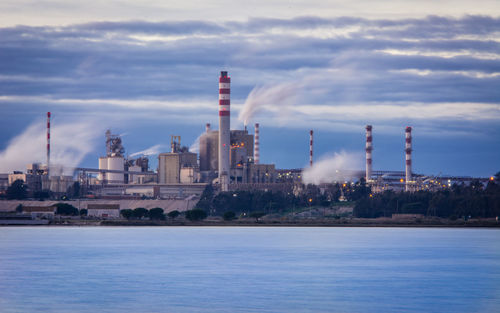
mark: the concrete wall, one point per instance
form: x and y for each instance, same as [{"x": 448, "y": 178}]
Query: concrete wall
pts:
[{"x": 166, "y": 205}]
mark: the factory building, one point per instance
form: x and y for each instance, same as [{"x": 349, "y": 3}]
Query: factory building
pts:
[
  {"x": 113, "y": 160},
  {"x": 243, "y": 169},
  {"x": 177, "y": 167},
  {"x": 227, "y": 158},
  {"x": 241, "y": 149}
]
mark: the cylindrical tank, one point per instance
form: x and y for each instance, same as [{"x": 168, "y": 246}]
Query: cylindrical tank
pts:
[
  {"x": 116, "y": 163},
  {"x": 103, "y": 165}
]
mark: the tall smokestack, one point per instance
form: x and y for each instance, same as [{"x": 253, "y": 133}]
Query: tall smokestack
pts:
[
  {"x": 224, "y": 129},
  {"x": 48, "y": 144},
  {"x": 311, "y": 148},
  {"x": 369, "y": 149},
  {"x": 207, "y": 127},
  {"x": 256, "y": 145},
  {"x": 408, "y": 157}
]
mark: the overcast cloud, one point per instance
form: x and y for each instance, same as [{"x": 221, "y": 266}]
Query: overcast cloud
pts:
[{"x": 340, "y": 73}]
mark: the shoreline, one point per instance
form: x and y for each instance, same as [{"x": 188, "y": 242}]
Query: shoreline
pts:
[{"x": 489, "y": 223}]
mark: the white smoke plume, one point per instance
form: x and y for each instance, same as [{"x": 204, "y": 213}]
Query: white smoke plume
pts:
[
  {"x": 70, "y": 143},
  {"x": 153, "y": 150},
  {"x": 195, "y": 147},
  {"x": 338, "y": 167},
  {"x": 276, "y": 97}
]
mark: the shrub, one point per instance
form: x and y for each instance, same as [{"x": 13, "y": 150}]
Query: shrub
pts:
[
  {"x": 140, "y": 213},
  {"x": 127, "y": 213},
  {"x": 196, "y": 215},
  {"x": 156, "y": 214},
  {"x": 229, "y": 216},
  {"x": 257, "y": 215},
  {"x": 173, "y": 214},
  {"x": 66, "y": 209}
]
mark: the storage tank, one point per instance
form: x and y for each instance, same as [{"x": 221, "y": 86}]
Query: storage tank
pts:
[
  {"x": 103, "y": 165},
  {"x": 116, "y": 163}
]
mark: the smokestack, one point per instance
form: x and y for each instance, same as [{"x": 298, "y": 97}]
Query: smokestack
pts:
[
  {"x": 224, "y": 129},
  {"x": 207, "y": 127},
  {"x": 408, "y": 157},
  {"x": 256, "y": 145},
  {"x": 48, "y": 144},
  {"x": 311, "y": 148},
  {"x": 369, "y": 149}
]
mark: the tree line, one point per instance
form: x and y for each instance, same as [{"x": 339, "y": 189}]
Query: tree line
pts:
[
  {"x": 474, "y": 200},
  {"x": 255, "y": 203},
  {"x": 459, "y": 200}
]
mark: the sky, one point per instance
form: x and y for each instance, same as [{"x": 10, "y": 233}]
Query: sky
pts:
[{"x": 149, "y": 69}]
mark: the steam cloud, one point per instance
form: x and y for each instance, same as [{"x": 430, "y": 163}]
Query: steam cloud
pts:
[
  {"x": 195, "y": 147},
  {"x": 70, "y": 143},
  {"x": 336, "y": 168},
  {"x": 269, "y": 97},
  {"x": 153, "y": 150}
]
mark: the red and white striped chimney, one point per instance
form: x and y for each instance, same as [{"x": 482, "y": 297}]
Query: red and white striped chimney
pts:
[
  {"x": 224, "y": 129},
  {"x": 207, "y": 127},
  {"x": 311, "y": 148},
  {"x": 408, "y": 157},
  {"x": 256, "y": 145},
  {"x": 369, "y": 148},
  {"x": 48, "y": 144}
]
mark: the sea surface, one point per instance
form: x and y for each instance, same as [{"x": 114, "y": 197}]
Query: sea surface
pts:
[{"x": 248, "y": 269}]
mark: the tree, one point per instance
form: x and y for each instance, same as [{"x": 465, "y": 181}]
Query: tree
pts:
[
  {"x": 127, "y": 213},
  {"x": 43, "y": 194},
  {"x": 206, "y": 198},
  {"x": 19, "y": 208},
  {"x": 173, "y": 214},
  {"x": 66, "y": 209},
  {"x": 18, "y": 190},
  {"x": 73, "y": 191},
  {"x": 156, "y": 214},
  {"x": 257, "y": 215},
  {"x": 83, "y": 212},
  {"x": 196, "y": 215},
  {"x": 229, "y": 216},
  {"x": 140, "y": 213}
]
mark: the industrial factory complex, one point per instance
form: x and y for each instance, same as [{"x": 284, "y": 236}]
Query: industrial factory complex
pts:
[{"x": 227, "y": 159}]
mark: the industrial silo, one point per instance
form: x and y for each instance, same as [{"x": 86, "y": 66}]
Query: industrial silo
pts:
[
  {"x": 116, "y": 163},
  {"x": 103, "y": 165}
]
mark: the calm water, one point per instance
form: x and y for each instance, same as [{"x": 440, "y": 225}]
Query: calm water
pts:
[{"x": 197, "y": 269}]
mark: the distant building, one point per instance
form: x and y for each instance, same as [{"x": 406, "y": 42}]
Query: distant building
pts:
[
  {"x": 103, "y": 210},
  {"x": 33, "y": 182},
  {"x": 241, "y": 149},
  {"x": 40, "y": 212},
  {"x": 170, "y": 166}
]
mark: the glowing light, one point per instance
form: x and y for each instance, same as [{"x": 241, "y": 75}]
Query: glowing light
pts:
[
  {"x": 492, "y": 178},
  {"x": 401, "y": 180}
]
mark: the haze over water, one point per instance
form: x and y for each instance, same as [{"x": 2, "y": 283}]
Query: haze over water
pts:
[{"x": 238, "y": 269}]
